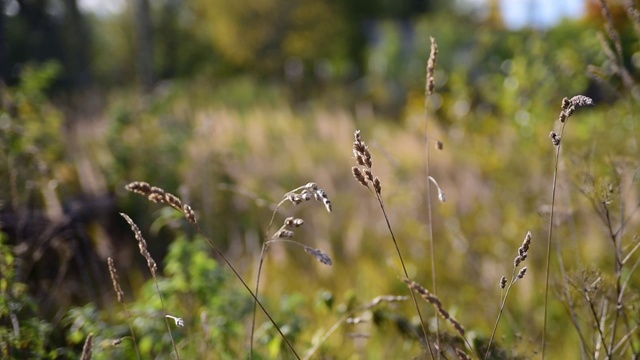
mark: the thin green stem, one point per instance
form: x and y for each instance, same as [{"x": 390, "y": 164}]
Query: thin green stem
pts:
[
  {"x": 503, "y": 302},
  {"x": 253, "y": 295},
  {"x": 175, "y": 348},
  {"x": 549, "y": 237},
  {"x": 406, "y": 274}
]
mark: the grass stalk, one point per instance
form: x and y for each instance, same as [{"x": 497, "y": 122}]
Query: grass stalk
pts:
[
  {"x": 429, "y": 87},
  {"x": 158, "y": 195},
  {"x": 568, "y": 107}
]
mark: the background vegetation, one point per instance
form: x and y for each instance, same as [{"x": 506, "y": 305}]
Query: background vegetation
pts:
[{"x": 230, "y": 105}]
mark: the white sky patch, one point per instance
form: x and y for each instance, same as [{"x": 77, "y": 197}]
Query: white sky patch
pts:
[{"x": 101, "y": 7}]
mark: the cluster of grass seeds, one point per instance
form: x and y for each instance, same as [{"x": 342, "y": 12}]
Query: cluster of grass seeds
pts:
[
  {"x": 308, "y": 192},
  {"x": 158, "y": 195}
]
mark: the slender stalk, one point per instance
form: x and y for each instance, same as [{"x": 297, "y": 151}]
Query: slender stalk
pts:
[
  {"x": 503, "y": 302},
  {"x": 568, "y": 107},
  {"x": 263, "y": 253},
  {"x": 429, "y": 86},
  {"x": 549, "y": 237},
  {"x": 157, "y": 195},
  {"x": 224, "y": 258},
  {"x": 166, "y": 321},
  {"x": 406, "y": 274}
]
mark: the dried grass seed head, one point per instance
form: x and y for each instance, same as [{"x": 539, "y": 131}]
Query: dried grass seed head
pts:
[
  {"x": 358, "y": 175},
  {"x": 173, "y": 201},
  {"x": 522, "y": 272},
  {"x": 189, "y": 214},
  {"x": 581, "y": 100},
  {"x": 319, "y": 255},
  {"x": 114, "y": 280},
  {"x": 555, "y": 138},
  {"x": 142, "y": 245},
  {"x": 377, "y": 186},
  {"x": 139, "y": 187},
  {"x": 503, "y": 282},
  {"x": 283, "y": 234},
  {"x": 431, "y": 66}
]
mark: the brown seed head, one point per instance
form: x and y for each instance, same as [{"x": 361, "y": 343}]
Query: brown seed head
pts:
[
  {"x": 377, "y": 186},
  {"x": 114, "y": 280},
  {"x": 189, "y": 214},
  {"x": 139, "y": 187},
  {"x": 142, "y": 244},
  {"x": 503, "y": 282},
  {"x": 522, "y": 272},
  {"x": 173, "y": 201},
  {"x": 431, "y": 66},
  {"x": 358, "y": 175}
]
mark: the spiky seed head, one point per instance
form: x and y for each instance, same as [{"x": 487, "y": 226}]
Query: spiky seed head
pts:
[
  {"x": 139, "y": 187},
  {"x": 377, "y": 186},
  {"x": 189, "y": 214},
  {"x": 358, "y": 175},
  {"x": 368, "y": 174},
  {"x": 522, "y": 272},
  {"x": 173, "y": 201}
]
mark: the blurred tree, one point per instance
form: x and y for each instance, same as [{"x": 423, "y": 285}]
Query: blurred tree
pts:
[
  {"x": 260, "y": 35},
  {"x": 144, "y": 44},
  {"x": 40, "y": 30}
]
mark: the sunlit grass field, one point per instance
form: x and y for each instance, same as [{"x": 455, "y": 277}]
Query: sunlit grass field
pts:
[{"x": 234, "y": 151}]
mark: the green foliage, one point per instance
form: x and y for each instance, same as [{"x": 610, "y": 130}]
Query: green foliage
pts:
[
  {"x": 31, "y": 137},
  {"x": 261, "y": 35},
  {"x": 23, "y": 335}
]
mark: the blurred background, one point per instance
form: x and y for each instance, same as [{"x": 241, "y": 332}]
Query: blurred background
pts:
[{"x": 230, "y": 104}]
